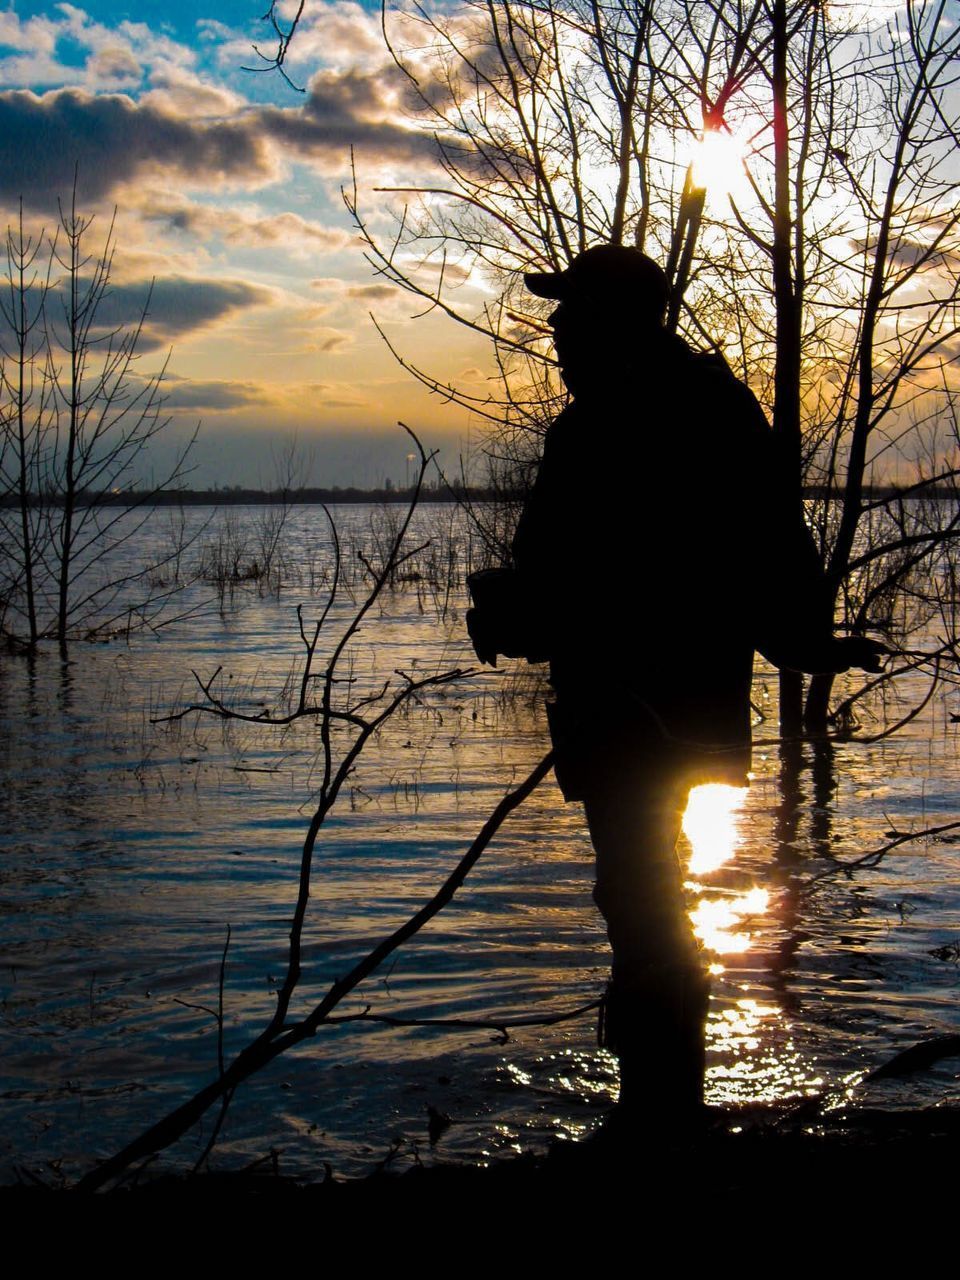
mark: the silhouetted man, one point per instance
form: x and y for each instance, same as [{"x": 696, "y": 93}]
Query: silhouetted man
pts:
[{"x": 659, "y": 547}]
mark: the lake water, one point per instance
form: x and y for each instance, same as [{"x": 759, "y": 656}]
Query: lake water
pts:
[{"x": 128, "y": 848}]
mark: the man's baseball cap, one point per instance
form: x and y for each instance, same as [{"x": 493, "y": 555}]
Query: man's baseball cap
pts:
[{"x": 611, "y": 273}]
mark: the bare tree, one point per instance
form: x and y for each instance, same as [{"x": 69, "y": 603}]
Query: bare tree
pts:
[
  {"x": 24, "y": 420},
  {"x": 893, "y": 414},
  {"x": 850, "y": 229},
  {"x": 78, "y": 424},
  {"x": 830, "y": 280}
]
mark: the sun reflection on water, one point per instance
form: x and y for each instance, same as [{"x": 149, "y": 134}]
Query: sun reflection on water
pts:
[
  {"x": 759, "y": 1060},
  {"x": 753, "y": 1055},
  {"x": 710, "y": 823}
]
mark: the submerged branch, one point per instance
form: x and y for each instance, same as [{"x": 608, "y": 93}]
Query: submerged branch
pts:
[{"x": 267, "y": 1046}]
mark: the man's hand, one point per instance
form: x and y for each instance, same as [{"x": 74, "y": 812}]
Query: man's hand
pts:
[
  {"x": 482, "y": 636},
  {"x": 859, "y": 651}
]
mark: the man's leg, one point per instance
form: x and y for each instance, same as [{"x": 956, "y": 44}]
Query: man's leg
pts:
[{"x": 656, "y": 1006}]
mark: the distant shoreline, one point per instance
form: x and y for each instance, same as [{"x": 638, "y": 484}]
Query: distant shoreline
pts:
[
  {"x": 238, "y": 496},
  {"x": 342, "y": 496}
]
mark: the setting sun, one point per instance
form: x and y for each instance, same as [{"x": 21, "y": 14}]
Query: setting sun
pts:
[{"x": 717, "y": 163}]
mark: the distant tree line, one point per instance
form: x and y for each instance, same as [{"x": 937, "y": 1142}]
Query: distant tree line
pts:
[{"x": 239, "y": 495}]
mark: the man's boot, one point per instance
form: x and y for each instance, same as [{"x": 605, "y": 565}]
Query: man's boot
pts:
[{"x": 656, "y": 1027}]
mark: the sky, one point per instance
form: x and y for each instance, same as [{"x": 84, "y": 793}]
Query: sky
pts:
[{"x": 227, "y": 185}]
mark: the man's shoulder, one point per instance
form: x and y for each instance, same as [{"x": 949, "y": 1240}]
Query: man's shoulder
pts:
[
  {"x": 722, "y": 395},
  {"x": 712, "y": 366}
]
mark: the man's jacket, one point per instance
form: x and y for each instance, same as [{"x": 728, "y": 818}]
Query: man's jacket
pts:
[{"x": 660, "y": 546}]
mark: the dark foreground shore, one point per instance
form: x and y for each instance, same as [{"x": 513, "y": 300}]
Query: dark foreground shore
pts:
[{"x": 738, "y": 1172}]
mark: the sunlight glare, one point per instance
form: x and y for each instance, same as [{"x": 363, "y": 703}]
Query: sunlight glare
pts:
[
  {"x": 710, "y": 824},
  {"x": 755, "y": 1057},
  {"x": 717, "y": 163}
]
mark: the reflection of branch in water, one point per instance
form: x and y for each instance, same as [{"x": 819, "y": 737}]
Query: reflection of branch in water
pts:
[
  {"x": 919, "y": 1057},
  {"x": 788, "y": 812},
  {"x": 824, "y": 792},
  {"x": 843, "y": 714},
  {"x": 875, "y": 856},
  {"x": 501, "y": 1026}
]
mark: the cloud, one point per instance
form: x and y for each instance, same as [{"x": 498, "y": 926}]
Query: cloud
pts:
[
  {"x": 112, "y": 140},
  {"x": 909, "y": 253},
  {"x": 34, "y": 44},
  {"x": 331, "y": 35},
  {"x": 37, "y": 34},
  {"x": 341, "y": 289},
  {"x": 225, "y": 395},
  {"x": 347, "y": 402},
  {"x": 179, "y": 91},
  {"x": 321, "y": 396},
  {"x": 372, "y": 292},
  {"x": 333, "y": 342},
  {"x": 344, "y": 110},
  {"x": 174, "y": 306},
  {"x": 452, "y": 272},
  {"x": 116, "y": 141},
  {"x": 115, "y": 57},
  {"x": 178, "y": 305},
  {"x": 114, "y": 67},
  {"x": 211, "y": 395},
  {"x": 239, "y": 226}
]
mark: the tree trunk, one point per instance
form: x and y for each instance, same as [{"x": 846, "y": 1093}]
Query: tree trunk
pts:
[
  {"x": 791, "y": 704},
  {"x": 818, "y": 703},
  {"x": 21, "y": 253},
  {"x": 73, "y": 408},
  {"x": 788, "y": 297},
  {"x": 26, "y": 533}
]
